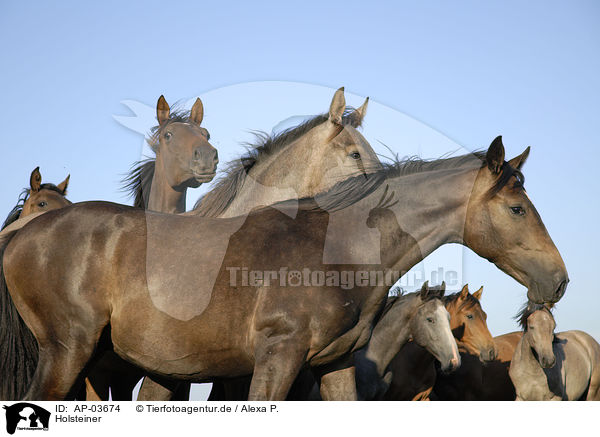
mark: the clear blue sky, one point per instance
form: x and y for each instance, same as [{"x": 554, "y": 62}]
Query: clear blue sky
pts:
[{"x": 468, "y": 70}]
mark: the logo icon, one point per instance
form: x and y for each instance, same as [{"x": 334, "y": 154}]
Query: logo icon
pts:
[{"x": 26, "y": 416}]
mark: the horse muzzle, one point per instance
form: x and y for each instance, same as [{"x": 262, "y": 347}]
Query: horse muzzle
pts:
[
  {"x": 451, "y": 365},
  {"x": 548, "y": 292},
  {"x": 488, "y": 355},
  {"x": 547, "y": 362}
]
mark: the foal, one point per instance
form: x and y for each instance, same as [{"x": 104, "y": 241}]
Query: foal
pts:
[
  {"x": 420, "y": 317},
  {"x": 413, "y": 368},
  {"x": 554, "y": 367}
]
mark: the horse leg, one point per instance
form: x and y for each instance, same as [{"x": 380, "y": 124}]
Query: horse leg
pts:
[
  {"x": 155, "y": 388},
  {"x": 117, "y": 374},
  {"x": 338, "y": 381},
  {"x": 121, "y": 386},
  {"x": 423, "y": 396},
  {"x": 230, "y": 390},
  {"x": 182, "y": 392},
  {"x": 276, "y": 366},
  {"x": 58, "y": 370},
  {"x": 96, "y": 387},
  {"x": 217, "y": 392}
]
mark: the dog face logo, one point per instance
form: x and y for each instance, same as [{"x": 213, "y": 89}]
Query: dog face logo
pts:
[{"x": 26, "y": 416}]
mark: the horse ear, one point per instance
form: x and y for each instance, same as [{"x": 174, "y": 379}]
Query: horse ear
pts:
[
  {"x": 424, "y": 290},
  {"x": 63, "y": 185},
  {"x": 495, "y": 155},
  {"x": 518, "y": 161},
  {"x": 162, "y": 110},
  {"x": 443, "y": 287},
  {"x": 197, "y": 113},
  {"x": 337, "y": 107},
  {"x": 477, "y": 294},
  {"x": 464, "y": 292},
  {"x": 356, "y": 117},
  {"x": 35, "y": 180}
]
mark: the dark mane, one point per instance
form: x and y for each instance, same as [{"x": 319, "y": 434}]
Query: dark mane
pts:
[
  {"x": 139, "y": 179},
  {"x": 469, "y": 302},
  {"x": 413, "y": 165},
  {"x": 15, "y": 213},
  {"x": 226, "y": 187},
  {"x": 389, "y": 303},
  {"x": 528, "y": 309},
  {"x": 355, "y": 188},
  {"x": 138, "y": 182}
]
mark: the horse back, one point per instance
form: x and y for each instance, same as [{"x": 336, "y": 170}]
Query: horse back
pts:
[{"x": 577, "y": 359}]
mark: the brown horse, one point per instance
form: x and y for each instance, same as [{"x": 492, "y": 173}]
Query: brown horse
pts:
[
  {"x": 190, "y": 312},
  {"x": 554, "y": 367},
  {"x": 298, "y": 162},
  {"x": 38, "y": 198},
  {"x": 427, "y": 323},
  {"x": 420, "y": 317},
  {"x": 184, "y": 159},
  {"x": 34, "y": 200},
  {"x": 413, "y": 368},
  {"x": 479, "y": 381}
]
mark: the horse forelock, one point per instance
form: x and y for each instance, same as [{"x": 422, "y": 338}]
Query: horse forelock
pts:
[
  {"x": 469, "y": 302},
  {"x": 528, "y": 309},
  {"x": 176, "y": 115}
]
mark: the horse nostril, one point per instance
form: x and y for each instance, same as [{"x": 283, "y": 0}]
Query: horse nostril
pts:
[
  {"x": 216, "y": 158},
  {"x": 560, "y": 291},
  {"x": 453, "y": 364}
]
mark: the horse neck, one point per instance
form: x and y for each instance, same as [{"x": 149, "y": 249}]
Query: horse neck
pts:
[
  {"x": 285, "y": 174},
  {"x": 163, "y": 197},
  {"x": 390, "y": 333},
  {"x": 430, "y": 212}
]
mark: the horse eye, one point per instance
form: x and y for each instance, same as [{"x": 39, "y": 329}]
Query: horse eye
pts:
[
  {"x": 355, "y": 155},
  {"x": 168, "y": 135},
  {"x": 470, "y": 316},
  {"x": 517, "y": 210},
  {"x": 429, "y": 319},
  {"x": 42, "y": 204}
]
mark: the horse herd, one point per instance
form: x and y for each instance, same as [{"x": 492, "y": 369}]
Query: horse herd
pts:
[{"x": 276, "y": 286}]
